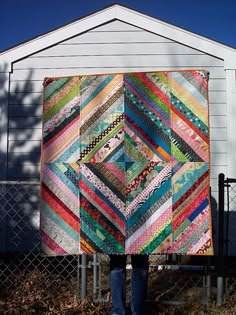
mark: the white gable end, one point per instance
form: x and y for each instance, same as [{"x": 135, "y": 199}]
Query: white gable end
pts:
[{"x": 126, "y": 15}]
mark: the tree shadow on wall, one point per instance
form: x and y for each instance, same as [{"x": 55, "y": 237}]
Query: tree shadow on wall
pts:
[
  {"x": 19, "y": 201},
  {"x": 21, "y": 116}
]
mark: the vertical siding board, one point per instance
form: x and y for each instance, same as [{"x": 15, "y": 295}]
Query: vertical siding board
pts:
[
  {"x": 4, "y": 87},
  {"x": 231, "y": 121},
  {"x": 4, "y": 92}
]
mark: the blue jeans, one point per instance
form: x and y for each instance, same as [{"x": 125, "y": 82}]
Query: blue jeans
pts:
[{"x": 139, "y": 278}]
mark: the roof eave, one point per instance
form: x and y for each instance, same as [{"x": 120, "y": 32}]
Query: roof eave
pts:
[
  {"x": 51, "y": 38},
  {"x": 177, "y": 34}
]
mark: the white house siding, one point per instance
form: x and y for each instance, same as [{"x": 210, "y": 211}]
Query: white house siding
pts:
[{"x": 113, "y": 47}]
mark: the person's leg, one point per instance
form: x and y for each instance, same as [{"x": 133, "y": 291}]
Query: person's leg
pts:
[
  {"x": 139, "y": 278},
  {"x": 117, "y": 283}
]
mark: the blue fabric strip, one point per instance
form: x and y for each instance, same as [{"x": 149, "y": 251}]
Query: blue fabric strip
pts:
[{"x": 148, "y": 203}]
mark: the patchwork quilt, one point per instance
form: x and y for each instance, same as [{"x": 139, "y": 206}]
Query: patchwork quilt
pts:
[{"x": 125, "y": 164}]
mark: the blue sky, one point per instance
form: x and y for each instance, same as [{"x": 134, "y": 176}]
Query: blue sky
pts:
[{"x": 20, "y": 20}]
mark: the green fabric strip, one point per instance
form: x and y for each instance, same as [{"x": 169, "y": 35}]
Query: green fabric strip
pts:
[{"x": 63, "y": 101}]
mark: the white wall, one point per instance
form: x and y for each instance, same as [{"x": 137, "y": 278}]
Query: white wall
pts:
[{"x": 114, "y": 47}]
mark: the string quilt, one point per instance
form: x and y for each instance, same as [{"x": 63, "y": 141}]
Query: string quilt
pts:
[{"x": 125, "y": 164}]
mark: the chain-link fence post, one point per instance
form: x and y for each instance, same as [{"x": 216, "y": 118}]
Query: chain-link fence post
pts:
[
  {"x": 83, "y": 276},
  {"x": 95, "y": 277},
  {"x": 220, "y": 253},
  {"x": 207, "y": 282}
]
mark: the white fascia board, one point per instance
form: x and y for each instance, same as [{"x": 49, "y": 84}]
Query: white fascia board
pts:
[
  {"x": 179, "y": 35},
  {"x": 56, "y": 36}
]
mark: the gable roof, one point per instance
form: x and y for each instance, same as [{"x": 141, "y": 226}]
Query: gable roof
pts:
[{"x": 124, "y": 14}]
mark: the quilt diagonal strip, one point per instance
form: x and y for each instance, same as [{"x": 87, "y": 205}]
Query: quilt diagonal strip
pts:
[
  {"x": 148, "y": 207},
  {"x": 61, "y": 114},
  {"x": 102, "y": 119},
  {"x": 147, "y": 118},
  {"x": 102, "y": 198},
  {"x": 125, "y": 164},
  {"x": 191, "y": 209},
  {"x": 190, "y": 134},
  {"x": 60, "y": 224}
]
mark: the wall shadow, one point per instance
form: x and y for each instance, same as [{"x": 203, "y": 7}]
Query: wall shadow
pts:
[{"x": 19, "y": 201}]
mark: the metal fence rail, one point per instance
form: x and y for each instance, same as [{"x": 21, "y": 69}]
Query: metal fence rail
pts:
[{"x": 173, "y": 280}]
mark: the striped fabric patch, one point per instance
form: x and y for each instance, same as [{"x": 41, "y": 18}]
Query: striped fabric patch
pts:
[
  {"x": 102, "y": 207},
  {"x": 148, "y": 207},
  {"x": 191, "y": 208},
  {"x": 61, "y": 119},
  {"x": 60, "y": 223},
  {"x": 125, "y": 164}
]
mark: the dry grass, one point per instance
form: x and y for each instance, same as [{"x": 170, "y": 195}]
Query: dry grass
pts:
[{"x": 35, "y": 293}]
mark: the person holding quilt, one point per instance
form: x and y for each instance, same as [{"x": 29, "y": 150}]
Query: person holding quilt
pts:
[{"x": 139, "y": 280}]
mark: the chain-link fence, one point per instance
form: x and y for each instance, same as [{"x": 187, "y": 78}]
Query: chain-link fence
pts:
[
  {"x": 229, "y": 242},
  {"x": 20, "y": 240},
  {"x": 172, "y": 279}
]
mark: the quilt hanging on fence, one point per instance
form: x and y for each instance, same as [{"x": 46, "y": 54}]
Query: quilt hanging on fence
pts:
[{"x": 125, "y": 164}]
